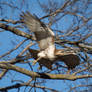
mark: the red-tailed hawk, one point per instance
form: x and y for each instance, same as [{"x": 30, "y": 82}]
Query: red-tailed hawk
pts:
[{"x": 45, "y": 38}]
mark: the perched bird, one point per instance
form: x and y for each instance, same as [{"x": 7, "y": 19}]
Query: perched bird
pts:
[{"x": 48, "y": 54}]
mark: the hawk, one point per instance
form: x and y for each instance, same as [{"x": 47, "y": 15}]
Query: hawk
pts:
[{"x": 48, "y": 53}]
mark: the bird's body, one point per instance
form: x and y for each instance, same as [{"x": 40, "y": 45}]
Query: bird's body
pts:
[
  {"x": 69, "y": 58},
  {"x": 45, "y": 38}
]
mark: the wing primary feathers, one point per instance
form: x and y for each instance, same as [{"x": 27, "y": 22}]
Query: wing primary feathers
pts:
[{"x": 44, "y": 35}]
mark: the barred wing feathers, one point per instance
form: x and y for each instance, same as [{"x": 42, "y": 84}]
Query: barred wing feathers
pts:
[{"x": 44, "y": 35}]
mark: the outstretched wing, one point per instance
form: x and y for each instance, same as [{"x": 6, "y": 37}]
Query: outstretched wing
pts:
[
  {"x": 70, "y": 58},
  {"x": 44, "y": 35}
]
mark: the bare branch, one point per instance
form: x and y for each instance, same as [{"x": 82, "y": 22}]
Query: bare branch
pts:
[
  {"x": 79, "y": 86},
  {"x": 25, "y": 84},
  {"x": 43, "y": 75},
  {"x": 80, "y": 71},
  {"x": 27, "y": 47},
  {"x": 68, "y": 2},
  {"x": 15, "y": 31},
  {"x": 13, "y": 48},
  {"x": 10, "y": 21},
  {"x": 4, "y": 71}
]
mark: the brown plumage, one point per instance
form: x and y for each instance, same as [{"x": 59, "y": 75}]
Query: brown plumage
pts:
[
  {"x": 45, "y": 38},
  {"x": 42, "y": 62},
  {"x": 70, "y": 59}
]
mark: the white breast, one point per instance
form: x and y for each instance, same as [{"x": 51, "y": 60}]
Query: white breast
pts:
[
  {"x": 41, "y": 54},
  {"x": 48, "y": 53}
]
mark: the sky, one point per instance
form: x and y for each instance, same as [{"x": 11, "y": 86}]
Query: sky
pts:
[{"x": 6, "y": 45}]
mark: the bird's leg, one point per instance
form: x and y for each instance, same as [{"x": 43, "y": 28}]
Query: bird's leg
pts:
[
  {"x": 68, "y": 72},
  {"x": 35, "y": 61},
  {"x": 40, "y": 67}
]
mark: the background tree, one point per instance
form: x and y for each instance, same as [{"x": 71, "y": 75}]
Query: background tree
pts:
[{"x": 71, "y": 20}]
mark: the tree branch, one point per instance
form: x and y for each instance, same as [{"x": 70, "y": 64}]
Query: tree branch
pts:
[
  {"x": 10, "y": 21},
  {"x": 68, "y": 2},
  {"x": 17, "y": 85},
  {"x": 13, "y": 48},
  {"x": 43, "y": 75},
  {"x": 15, "y": 31},
  {"x": 3, "y": 73}
]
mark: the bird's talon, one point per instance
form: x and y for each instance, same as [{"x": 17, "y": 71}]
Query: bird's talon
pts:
[{"x": 35, "y": 61}]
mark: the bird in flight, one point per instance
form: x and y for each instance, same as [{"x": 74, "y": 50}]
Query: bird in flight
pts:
[{"x": 47, "y": 55}]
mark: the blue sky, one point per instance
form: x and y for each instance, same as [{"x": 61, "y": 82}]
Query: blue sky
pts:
[{"x": 6, "y": 45}]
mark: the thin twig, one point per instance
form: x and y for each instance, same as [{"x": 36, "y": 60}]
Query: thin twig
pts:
[
  {"x": 25, "y": 84},
  {"x": 3, "y": 73},
  {"x": 13, "y": 48},
  {"x": 27, "y": 47},
  {"x": 10, "y": 21},
  {"x": 80, "y": 71}
]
